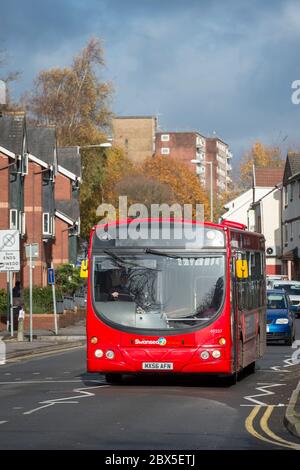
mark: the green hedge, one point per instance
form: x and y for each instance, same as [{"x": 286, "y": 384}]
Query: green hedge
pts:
[
  {"x": 3, "y": 301},
  {"x": 42, "y": 301},
  {"x": 41, "y": 296}
]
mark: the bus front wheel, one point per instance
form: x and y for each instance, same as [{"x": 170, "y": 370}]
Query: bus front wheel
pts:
[{"x": 113, "y": 378}]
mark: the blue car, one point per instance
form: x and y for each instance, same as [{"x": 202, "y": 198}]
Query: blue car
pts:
[{"x": 280, "y": 317}]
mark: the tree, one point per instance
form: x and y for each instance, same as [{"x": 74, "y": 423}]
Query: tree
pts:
[
  {"x": 261, "y": 156},
  {"x": 73, "y": 98},
  {"x": 183, "y": 182},
  {"x": 103, "y": 169},
  {"x": 76, "y": 101},
  {"x": 140, "y": 188}
]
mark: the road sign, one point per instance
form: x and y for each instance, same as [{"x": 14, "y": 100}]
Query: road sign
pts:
[
  {"x": 34, "y": 250},
  {"x": 84, "y": 269},
  {"x": 51, "y": 277},
  {"x": 9, "y": 250}
]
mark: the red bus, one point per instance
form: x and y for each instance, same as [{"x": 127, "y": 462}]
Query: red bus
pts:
[{"x": 164, "y": 301}]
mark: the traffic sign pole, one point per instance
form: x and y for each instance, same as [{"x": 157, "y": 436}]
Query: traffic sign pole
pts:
[
  {"x": 30, "y": 292},
  {"x": 11, "y": 307},
  {"x": 51, "y": 280}
]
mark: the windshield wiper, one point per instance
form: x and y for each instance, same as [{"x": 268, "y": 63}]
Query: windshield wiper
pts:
[{"x": 161, "y": 253}]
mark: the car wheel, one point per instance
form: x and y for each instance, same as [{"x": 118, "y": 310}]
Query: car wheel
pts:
[{"x": 289, "y": 341}]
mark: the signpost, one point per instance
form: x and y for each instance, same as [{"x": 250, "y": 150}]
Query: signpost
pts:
[
  {"x": 51, "y": 282},
  {"x": 9, "y": 263},
  {"x": 32, "y": 252}
]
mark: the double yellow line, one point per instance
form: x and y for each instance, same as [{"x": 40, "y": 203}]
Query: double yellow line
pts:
[{"x": 264, "y": 426}]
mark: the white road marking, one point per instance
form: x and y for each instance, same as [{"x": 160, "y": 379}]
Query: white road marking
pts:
[
  {"x": 3, "y": 422},
  {"x": 36, "y": 373},
  {"x": 84, "y": 393},
  {"x": 262, "y": 388},
  {"x": 7, "y": 373}
]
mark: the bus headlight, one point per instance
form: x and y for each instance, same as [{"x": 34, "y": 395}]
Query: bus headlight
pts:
[
  {"x": 216, "y": 354},
  {"x": 99, "y": 353},
  {"x": 110, "y": 354},
  {"x": 222, "y": 341},
  {"x": 94, "y": 340},
  {"x": 204, "y": 355}
]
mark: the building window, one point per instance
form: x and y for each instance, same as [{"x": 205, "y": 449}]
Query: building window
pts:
[
  {"x": 46, "y": 224},
  {"x": 165, "y": 151},
  {"x": 285, "y": 196},
  {"x": 292, "y": 191},
  {"x": 22, "y": 223},
  {"x": 165, "y": 138},
  {"x": 25, "y": 164},
  {"x": 13, "y": 219},
  {"x": 286, "y": 234},
  {"x": 292, "y": 233}
]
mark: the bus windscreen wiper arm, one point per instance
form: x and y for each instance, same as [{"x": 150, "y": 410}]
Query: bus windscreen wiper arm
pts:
[{"x": 160, "y": 253}]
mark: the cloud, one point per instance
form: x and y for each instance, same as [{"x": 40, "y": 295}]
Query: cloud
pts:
[{"x": 211, "y": 66}]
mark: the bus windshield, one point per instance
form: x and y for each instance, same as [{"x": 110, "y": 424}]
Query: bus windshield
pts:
[{"x": 158, "y": 290}]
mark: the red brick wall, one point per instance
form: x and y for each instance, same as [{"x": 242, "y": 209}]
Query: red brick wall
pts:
[
  {"x": 34, "y": 219},
  {"x": 63, "y": 187},
  {"x": 4, "y": 203},
  {"x": 182, "y": 147},
  {"x": 60, "y": 251}
]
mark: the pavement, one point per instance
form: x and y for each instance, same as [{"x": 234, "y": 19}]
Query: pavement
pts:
[
  {"x": 292, "y": 415},
  {"x": 44, "y": 341}
]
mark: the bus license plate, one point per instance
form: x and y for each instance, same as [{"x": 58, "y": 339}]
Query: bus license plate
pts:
[{"x": 157, "y": 365}]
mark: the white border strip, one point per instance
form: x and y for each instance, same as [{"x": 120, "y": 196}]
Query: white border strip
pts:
[
  {"x": 6, "y": 152},
  {"x": 68, "y": 173}
]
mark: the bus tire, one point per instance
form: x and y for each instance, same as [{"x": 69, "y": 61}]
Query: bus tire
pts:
[
  {"x": 251, "y": 367},
  {"x": 114, "y": 378},
  {"x": 231, "y": 379}
]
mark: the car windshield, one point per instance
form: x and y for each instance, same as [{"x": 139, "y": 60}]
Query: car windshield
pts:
[
  {"x": 158, "y": 291},
  {"x": 290, "y": 289},
  {"x": 276, "y": 302}
]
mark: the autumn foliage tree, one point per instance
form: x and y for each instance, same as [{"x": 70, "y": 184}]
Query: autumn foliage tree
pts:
[
  {"x": 73, "y": 98},
  {"x": 154, "y": 181},
  {"x": 261, "y": 156}
]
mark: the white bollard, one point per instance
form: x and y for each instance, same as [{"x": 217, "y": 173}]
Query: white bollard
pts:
[{"x": 2, "y": 352}]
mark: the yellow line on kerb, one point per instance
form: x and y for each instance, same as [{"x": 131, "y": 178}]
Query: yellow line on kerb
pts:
[{"x": 264, "y": 425}]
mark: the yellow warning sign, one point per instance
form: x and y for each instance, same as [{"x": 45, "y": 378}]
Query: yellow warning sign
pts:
[{"x": 84, "y": 268}]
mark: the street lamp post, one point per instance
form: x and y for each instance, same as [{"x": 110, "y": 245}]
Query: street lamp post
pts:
[{"x": 199, "y": 162}]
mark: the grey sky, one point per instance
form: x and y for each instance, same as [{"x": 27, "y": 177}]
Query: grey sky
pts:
[{"x": 223, "y": 66}]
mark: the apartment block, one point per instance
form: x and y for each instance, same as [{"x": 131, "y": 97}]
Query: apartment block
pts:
[
  {"x": 187, "y": 147},
  {"x": 135, "y": 135},
  {"x": 218, "y": 153}
]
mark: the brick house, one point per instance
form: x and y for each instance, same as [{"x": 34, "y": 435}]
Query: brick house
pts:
[
  {"x": 291, "y": 216},
  {"x": 38, "y": 196},
  {"x": 13, "y": 169},
  {"x": 67, "y": 212}
]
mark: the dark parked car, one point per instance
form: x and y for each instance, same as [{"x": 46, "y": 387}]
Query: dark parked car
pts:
[{"x": 280, "y": 317}]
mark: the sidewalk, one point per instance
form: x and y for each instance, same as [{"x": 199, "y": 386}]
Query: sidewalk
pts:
[
  {"x": 44, "y": 341},
  {"x": 292, "y": 415}
]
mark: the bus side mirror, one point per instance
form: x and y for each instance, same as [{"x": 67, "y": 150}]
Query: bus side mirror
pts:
[{"x": 241, "y": 269}]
